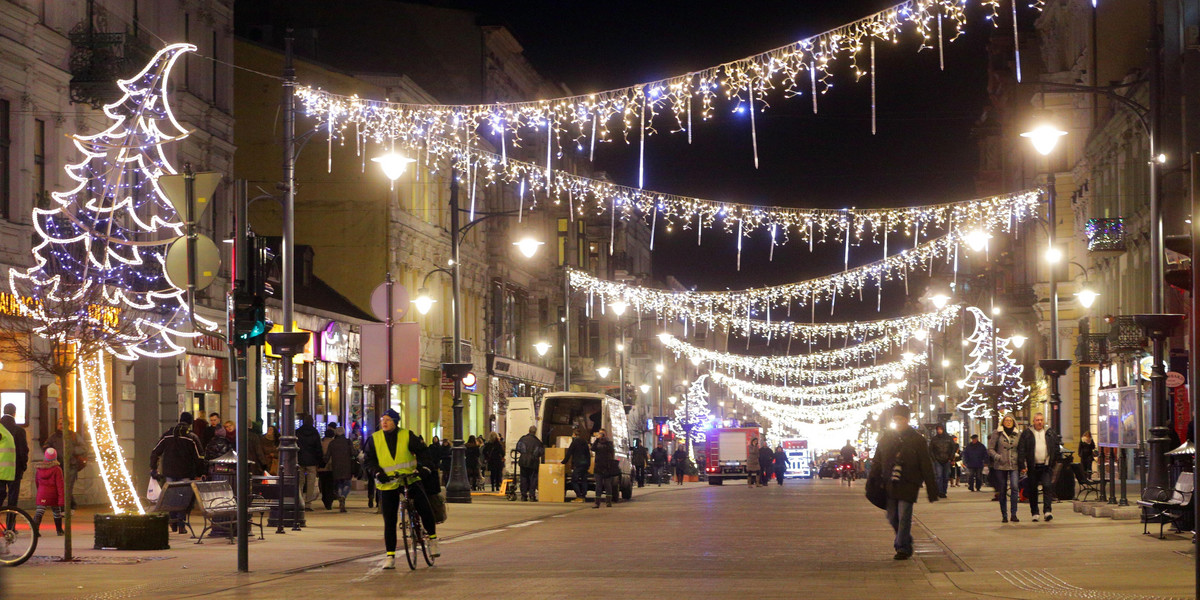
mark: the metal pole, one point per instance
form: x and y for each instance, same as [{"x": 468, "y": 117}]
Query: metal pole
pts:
[
  {"x": 566, "y": 323},
  {"x": 621, "y": 377},
  {"x": 1194, "y": 359},
  {"x": 1156, "y": 236},
  {"x": 457, "y": 488},
  {"x": 287, "y": 415},
  {"x": 239, "y": 363},
  {"x": 1052, "y": 216}
]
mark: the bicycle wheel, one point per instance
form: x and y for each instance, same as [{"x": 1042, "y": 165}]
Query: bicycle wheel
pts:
[
  {"x": 410, "y": 549},
  {"x": 18, "y": 538},
  {"x": 421, "y": 537}
]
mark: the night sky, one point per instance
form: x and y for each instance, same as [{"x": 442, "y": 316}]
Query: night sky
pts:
[{"x": 923, "y": 153}]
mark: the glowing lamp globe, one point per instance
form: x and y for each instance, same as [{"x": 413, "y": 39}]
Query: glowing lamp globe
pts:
[
  {"x": 1087, "y": 297},
  {"x": 940, "y": 300},
  {"x": 645, "y": 387},
  {"x": 673, "y": 399},
  {"x": 977, "y": 240},
  {"x": 542, "y": 348},
  {"x": 696, "y": 360},
  {"x": 1053, "y": 255},
  {"x": 1018, "y": 340},
  {"x": 603, "y": 372},
  {"x": 920, "y": 334},
  {"x": 619, "y": 307},
  {"x": 423, "y": 301},
  {"x": 1044, "y": 138},
  {"x": 393, "y": 164},
  {"x": 945, "y": 363},
  {"x": 528, "y": 246}
]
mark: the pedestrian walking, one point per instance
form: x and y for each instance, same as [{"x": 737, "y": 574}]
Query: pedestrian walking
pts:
[
  {"x": 902, "y": 462},
  {"x": 1087, "y": 453},
  {"x": 975, "y": 456},
  {"x": 10, "y": 483},
  {"x": 472, "y": 462},
  {"x": 766, "y": 460},
  {"x": 445, "y": 456},
  {"x": 1038, "y": 451},
  {"x": 340, "y": 460},
  {"x": 493, "y": 455},
  {"x": 1002, "y": 448},
  {"x": 639, "y": 457},
  {"x": 325, "y": 485},
  {"x": 179, "y": 452},
  {"x": 942, "y": 449},
  {"x": 780, "y": 463},
  {"x": 680, "y": 460},
  {"x": 607, "y": 468},
  {"x": 391, "y": 458},
  {"x": 309, "y": 454},
  {"x": 955, "y": 472},
  {"x": 529, "y": 451},
  {"x": 753, "y": 466},
  {"x": 50, "y": 492},
  {"x": 658, "y": 462},
  {"x": 78, "y": 458},
  {"x": 579, "y": 458}
]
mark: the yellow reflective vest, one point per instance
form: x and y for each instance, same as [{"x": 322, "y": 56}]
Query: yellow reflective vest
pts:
[
  {"x": 8, "y": 455},
  {"x": 403, "y": 462}
]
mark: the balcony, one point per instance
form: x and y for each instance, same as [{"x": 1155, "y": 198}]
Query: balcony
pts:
[
  {"x": 99, "y": 59},
  {"x": 1124, "y": 336},
  {"x": 1092, "y": 349},
  {"x": 448, "y": 350},
  {"x": 1105, "y": 236}
]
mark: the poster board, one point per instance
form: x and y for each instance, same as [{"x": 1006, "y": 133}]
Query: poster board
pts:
[{"x": 1117, "y": 417}]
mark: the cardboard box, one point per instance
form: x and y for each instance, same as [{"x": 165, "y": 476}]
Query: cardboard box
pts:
[
  {"x": 552, "y": 483},
  {"x": 555, "y": 455},
  {"x": 562, "y": 441}
]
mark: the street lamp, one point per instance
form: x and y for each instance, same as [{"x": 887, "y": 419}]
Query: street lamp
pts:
[
  {"x": 528, "y": 246},
  {"x": 542, "y": 347},
  {"x": 1018, "y": 340},
  {"x": 977, "y": 239},
  {"x": 1086, "y": 297},
  {"x": 603, "y": 372},
  {"x": 457, "y": 487},
  {"x": 1044, "y": 137},
  {"x": 618, "y": 307},
  {"x": 939, "y": 300},
  {"x": 645, "y": 388}
]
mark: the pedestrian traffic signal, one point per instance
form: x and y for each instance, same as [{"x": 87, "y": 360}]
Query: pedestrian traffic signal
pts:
[
  {"x": 263, "y": 269},
  {"x": 250, "y": 323}
]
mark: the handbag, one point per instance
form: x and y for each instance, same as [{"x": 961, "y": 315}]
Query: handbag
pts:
[
  {"x": 437, "y": 502},
  {"x": 876, "y": 492}
]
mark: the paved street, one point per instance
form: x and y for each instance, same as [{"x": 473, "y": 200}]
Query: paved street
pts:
[{"x": 808, "y": 539}]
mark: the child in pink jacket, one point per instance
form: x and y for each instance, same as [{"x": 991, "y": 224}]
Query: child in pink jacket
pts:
[{"x": 49, "y": 490}]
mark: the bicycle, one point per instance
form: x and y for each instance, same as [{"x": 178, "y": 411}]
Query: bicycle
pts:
[
  {"x": 412, "y": 531},
  {"x": 18, "y": 537},
  {"x": 847, "y": 473}
]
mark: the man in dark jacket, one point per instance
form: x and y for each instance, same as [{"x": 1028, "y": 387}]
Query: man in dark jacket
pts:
[
  {"x": 942, "y": 448},
  {"x": 975, "y": 456},
  {"x": 530, "y": 451},
  {"x": 902, "y": 461},
  {"x": 12, "y": 489},
  {"x": 639, "y": 457},
  {"x": 1038, "y": 450},
  {"x": 579, "y": 458},
  {"x": 179, "y": 450},
  {"x": 309, "y": 456},
  {"x": 766, "y": 462},
  {"x": 607, "y": 468},
  {"x": 339, "y": 457},
  {"x": 658, "y": 462}
]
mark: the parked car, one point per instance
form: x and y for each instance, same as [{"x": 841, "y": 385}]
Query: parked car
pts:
[{"x": 828, "y": 469}]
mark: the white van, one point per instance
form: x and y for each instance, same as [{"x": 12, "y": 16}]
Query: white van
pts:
[{"x": 560, "y": 413}]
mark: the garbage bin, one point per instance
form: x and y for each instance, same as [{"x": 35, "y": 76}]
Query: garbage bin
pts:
[{"x": 224, "y": 468}]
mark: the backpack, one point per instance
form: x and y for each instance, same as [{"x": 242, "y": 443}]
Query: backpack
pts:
[{"x": 530, "y": 457}]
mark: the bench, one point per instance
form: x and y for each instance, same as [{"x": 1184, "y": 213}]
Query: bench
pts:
[
  {"x": 177, "y": 497},
  {"x": 219, "y": 507},
  {"x": 1167, "y": 506},
  {"x": 1087, "y": 485}
]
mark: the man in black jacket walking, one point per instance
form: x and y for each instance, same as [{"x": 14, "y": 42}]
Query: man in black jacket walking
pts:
[
  {"x": 1038, "y": 450},
  {"x": 639, "y": 457},
  {"x": 658, "y": 461},
  {"x": 529, "y": 451},
  {"x": 902, "y": 462},
  {"x": 179, "y": 450},
  {"x": 607, "y": 468},
  {"x": 942, "y": 449},
  {"x": 309, "y": 456},
  {"x": 579, "y": 457}
]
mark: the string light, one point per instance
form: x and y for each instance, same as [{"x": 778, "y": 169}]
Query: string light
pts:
[
  {"x": 1006, "y": 373},
  {"x": 615, "y": 114},
  {"x": 98, "y": 411},
  {"x": 692, "y": 413},
  {"x": 788, "y": 367}
]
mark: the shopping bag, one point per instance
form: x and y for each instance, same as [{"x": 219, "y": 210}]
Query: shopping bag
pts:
[
  {"x": 438, "y": 503},
  {"x": 153, "y": 490}
]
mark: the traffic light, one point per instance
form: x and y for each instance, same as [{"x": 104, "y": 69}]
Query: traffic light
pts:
[
  {"x": 250, "y": 323},
  {"x": 262, "y": 269},
  {"x": 661, "y": 427}
]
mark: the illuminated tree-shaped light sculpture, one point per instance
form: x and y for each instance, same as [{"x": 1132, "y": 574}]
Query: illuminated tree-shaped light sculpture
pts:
[
  {"x": 991, "y": 368},
  {"x": 693, "y": 412},
  {"x": 98, "y": 282}
]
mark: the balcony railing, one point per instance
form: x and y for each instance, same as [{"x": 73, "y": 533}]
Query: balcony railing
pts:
[
  {"x": 1105, "y": 235},
  {"x": 1124, "y": 335},
  {"x": 1092, "y": 349}
]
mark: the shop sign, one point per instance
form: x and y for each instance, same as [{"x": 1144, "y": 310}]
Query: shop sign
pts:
[
  {"x": 207, "y": 345},
  {"x": 1183, "y": 411},
  {"x": 205, "y": 373},
  {"x": 1174, "y": 379},
  {"x": 334, "y": 345}
]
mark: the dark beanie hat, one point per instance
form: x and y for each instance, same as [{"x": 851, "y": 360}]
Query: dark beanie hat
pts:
[
  {"x": 391, "y": 412},
  {"x": 185, "y": 417},
  {"x": 901, "y": 410}
]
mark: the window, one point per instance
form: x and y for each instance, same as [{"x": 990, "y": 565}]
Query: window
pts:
[
  {"x": 39, "y": 163},
  {"x": 562, "y": 242},
  {"x": 5, "y": 164}
]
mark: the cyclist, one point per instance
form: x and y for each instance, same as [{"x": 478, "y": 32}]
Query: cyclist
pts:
[
  {"x": 848, "y": 454},
  {"x": 391, "y": 456}
]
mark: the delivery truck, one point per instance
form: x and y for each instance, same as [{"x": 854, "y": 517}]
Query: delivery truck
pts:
[{"x": 726, "y": 453}]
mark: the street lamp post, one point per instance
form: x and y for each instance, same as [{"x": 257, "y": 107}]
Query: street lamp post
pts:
[
  {"x": 1158, "y": 328},
  {"x": 457, "y": 487}
]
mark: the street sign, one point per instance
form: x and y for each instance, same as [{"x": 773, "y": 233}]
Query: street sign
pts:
[
  {"x": 208, "y": 260},
  {"x": 174, "y": 187},
  {"x": 400, "y": 301},
  {"x": 1174, "y": 379},
  {"x": 447, "y": 383},
  {"x": 406, "y": 353}
]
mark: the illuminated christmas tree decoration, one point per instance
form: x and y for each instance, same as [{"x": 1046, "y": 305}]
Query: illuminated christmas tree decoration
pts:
[
  {"x": 693, "y": 412},
  {"x": 988, "y": 367},
  {"x": 105, "y": 241}
]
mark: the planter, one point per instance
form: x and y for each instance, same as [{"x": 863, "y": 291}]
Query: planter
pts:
[{"x": 132, "y": 532}]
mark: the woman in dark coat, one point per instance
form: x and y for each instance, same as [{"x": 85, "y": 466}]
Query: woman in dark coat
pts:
[
  {"x": 680, "y": 458},
  {"x": 472, "y": 459},
  {"x": 493, "y": 456},
  {"x": 1087, "y": 451},
  {"x": 340, "y": 459},
  {"x": 766, "y": 460},
  {"x": 444, "y": 460},
  {"x": 780, "y": 462}
]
